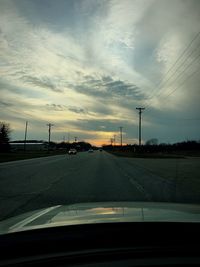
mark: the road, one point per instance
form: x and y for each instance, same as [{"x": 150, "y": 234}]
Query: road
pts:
[{"x": 86, "y": 177}]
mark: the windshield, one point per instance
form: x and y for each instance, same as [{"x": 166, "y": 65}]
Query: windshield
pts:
[{"x": 99, "y": 102}]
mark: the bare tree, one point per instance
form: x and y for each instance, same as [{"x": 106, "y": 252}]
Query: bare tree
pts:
[{"x": 153, "y": 141}]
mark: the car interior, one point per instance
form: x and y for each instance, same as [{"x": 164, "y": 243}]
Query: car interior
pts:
[{"x": 107, "y": 244}]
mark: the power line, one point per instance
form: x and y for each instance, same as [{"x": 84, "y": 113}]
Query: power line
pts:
[
  {"x": 163, "y": 81},
  {"x": 187, "y": 66},
  {"x": 185, "y": 80},
  {"x": 178, "y": 59},
  {"x": 179, "y": 75}
]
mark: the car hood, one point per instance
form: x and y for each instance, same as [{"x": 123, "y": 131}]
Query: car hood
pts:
[{"x": 101, "y": 212}]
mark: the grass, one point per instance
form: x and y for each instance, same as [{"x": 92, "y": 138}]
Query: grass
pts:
[
  {"x": 131, "y": 154},
  {"x": 20, "y": 155}
]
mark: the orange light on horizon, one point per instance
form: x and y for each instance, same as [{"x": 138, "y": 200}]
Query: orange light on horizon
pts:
[{"x": 97, "y": 143}]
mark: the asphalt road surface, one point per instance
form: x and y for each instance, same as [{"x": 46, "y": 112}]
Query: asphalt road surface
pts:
[{"x": 86, "y": 177}]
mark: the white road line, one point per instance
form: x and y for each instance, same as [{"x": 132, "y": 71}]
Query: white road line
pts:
[{"x": 140, "y": 188}]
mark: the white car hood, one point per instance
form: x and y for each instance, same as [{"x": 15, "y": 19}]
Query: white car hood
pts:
[{"x": 101, "y": 212}]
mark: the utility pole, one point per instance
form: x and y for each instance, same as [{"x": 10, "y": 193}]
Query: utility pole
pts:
[
  {"x": 120, "y": 128},
  {"x": 114, "y": 139},
  {"x": 140, "y": 122},
  {"x": 111, "y": 141},
  {"x": 75, "y": 139},
  {"x": 49, "y": 125},
  {"x": 68, "y": 137},
  {"x": 25, "y": 135}
]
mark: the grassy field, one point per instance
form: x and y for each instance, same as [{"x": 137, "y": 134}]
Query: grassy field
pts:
[
  {"x": 130, "y": 154},
  {"x": 20, "y": 155}
]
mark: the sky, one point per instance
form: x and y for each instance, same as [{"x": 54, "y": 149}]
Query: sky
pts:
[{"x": 85, "y": 65}]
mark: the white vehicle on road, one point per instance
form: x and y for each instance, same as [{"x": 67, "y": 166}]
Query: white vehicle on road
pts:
[{"x": 72, "y": 151}]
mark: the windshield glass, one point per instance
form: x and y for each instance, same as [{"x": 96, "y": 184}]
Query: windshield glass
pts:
[{"x": 99, "y": 102}]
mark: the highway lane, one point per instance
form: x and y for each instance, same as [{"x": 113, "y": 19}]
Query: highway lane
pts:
[{"x": 86, "y": 177}]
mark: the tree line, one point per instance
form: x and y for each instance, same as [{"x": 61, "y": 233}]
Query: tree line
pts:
[
  {"x": 151, "y": 147},
  {"x": 5, "y": 132}
]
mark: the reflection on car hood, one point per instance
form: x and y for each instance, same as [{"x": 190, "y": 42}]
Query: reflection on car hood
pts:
[{"x": 101, "y": 212}]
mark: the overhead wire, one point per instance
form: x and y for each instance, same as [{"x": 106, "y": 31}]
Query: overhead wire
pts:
[
  {"x": 178, "y": 59},
  {"x": 184, "y": 81},
  {"x": 179, "y": 75},
  {"x": 181, "y": 57}
]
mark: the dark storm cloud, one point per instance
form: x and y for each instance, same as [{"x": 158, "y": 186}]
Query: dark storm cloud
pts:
[
  {"x": 5, "y": 104},
  {"x": 121, "y": 88},
  {"x": 104, "y": 125},
  {"x": 6, "y": 87},
  {"x": 44, "y": 82},
  {"x": 103, "y": 109},
  {"x": 107, "y": 87},
  {"x": 56, "y": 107},
  {"x": 88, "y": 77},
  {"x": 73, "y": 109},
  {"x": 76, "y": 109},
  {"x": 48, "y": 13},
  {"x": 107, "y": 79},
  {"x": 167, "y": 118}
]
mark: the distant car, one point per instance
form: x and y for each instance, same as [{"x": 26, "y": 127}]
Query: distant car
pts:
[
  {"x": 100, "y": 150},
  {"x": 90, "y": 150},
  {"x": 72, "y": 151}
]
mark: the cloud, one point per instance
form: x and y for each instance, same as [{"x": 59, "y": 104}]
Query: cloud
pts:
[
  {"x": 74, "y": 109},
  {"x": 121, "y": 88},
  {"x": 5, "y": 104},
  {"x": 56, "y": 107},
  {"x": 43, "y": 82},
  {"x": 102, "y": 125},
  {"x": 97, "y": 60},
  {"x": 107, "y": 87}
]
